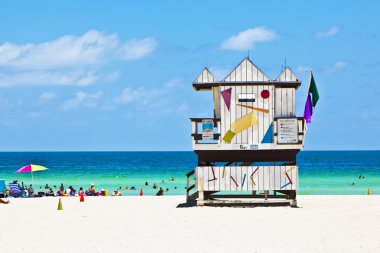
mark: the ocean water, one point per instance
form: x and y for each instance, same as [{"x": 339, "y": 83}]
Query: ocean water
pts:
[{"x": 320, "y": 172}]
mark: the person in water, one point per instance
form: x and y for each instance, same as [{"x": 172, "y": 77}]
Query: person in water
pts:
[
  {"x": 160, "y": 192},
  {"x": 154, "y": 186}
]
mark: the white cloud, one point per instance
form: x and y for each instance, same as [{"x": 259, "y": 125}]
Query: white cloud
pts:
[
  {"x": 165, "y": 99},
  {"x": 82, "y": 99},
  {"x": 81, "y": 54},
  {"x": 142, "y": 96},
  {"x": 246, "y": 39},
  {"x": 329, "y": 33},
  {"x": 137, "y": 49},
  {"x": 113, "y": 76},
  {"x": 337, "y": 66},
  {"x": 48, "y": 96},
  {"x": 66, "y": 77}
]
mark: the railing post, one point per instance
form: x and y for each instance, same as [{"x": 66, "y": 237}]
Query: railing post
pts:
[
  {"x": 187, "y": 188},
  {"x": 219, "y": 131}
]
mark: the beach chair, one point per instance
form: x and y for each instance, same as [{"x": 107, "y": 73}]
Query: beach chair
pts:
[
  {"x": 2, "y": 188},
  {"x": 15, "y": 189}
]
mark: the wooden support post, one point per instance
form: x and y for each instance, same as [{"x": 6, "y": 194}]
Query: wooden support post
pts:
[
  {"x": 266, "y": 192},
  {"x": 201, "y": 198}
]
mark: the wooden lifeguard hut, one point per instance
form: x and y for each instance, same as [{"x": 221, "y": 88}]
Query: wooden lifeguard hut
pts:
[{"x": 248, "y": 148}]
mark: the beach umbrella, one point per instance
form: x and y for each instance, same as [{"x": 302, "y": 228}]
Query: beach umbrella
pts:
[{"x": 31, "y": 168}]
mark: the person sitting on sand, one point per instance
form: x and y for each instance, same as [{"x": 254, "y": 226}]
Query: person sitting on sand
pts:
[
  {"x": 4, "y": 201},
  {"x": 102, "y": 192},
  {"x": 160, "y": 192},
  {"x": 116, "y": 193},
  {"x": 7, "y": 192},
  {"x": 30, "y": 191},
  {"x": 50, "y": 193},
  {"x": 61, "y": 191},
  {"x": 73, "y": 191},
  {"x": 91, "y": 190},
  {"x": 70, "y": 191}
]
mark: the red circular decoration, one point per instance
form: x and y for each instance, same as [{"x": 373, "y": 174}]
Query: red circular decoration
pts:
[{"x": 265, "y": 94}]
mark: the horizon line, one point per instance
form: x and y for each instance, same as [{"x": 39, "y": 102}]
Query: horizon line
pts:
[{"x": 78, "y": 151}]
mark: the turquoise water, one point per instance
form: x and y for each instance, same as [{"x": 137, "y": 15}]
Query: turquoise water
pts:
[{"x": 321, "y": 172}]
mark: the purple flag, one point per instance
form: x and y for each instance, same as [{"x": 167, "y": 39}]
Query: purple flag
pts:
[
  {"x": 226, "y": 94},
  {"x": 308, "y": 109}
]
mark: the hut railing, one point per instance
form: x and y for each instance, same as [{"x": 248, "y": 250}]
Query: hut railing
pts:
[{"x": 189, "y": 187}]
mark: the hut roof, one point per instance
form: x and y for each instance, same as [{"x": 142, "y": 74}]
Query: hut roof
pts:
[
  {"x": 246, "y": 73},
  {"x": 288, "y": 76}
]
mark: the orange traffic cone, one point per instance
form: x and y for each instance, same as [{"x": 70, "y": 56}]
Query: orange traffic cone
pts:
[
  {"x": 141, "y": 192},
  {"x": 82, "y": 197}
]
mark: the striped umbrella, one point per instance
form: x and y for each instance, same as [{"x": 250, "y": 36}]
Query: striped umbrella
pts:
[{"x": 31, "y": 168}]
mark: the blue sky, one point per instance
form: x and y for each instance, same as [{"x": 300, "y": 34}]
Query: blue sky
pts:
[{"x": 96, "y": 76}]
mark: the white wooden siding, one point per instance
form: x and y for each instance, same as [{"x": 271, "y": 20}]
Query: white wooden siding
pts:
[
  {"x": 205, "y": 77},
  {"x": 216, "y": 98},
  {"x": 246, "y": 71},
  {"x": 254, "y": 134},
  {"x": 287, "y": 76},
  {"x": 284, "y": 102},
  {"x": 264, "y": 177}
]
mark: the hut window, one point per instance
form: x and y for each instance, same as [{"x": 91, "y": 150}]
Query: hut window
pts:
[{"x": 247, "y": 97}]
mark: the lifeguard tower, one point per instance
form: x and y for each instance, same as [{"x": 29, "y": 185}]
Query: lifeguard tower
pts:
[{"x": 248, "y": 148}]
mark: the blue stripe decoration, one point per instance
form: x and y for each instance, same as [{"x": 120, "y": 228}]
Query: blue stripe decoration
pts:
[
  {"x": 285, "y": 185},
  {"x": 246, "y": 100},
  {"x": 242, "y": 184}
]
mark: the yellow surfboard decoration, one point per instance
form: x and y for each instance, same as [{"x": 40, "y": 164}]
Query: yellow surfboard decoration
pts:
[{"x": 244, "y": 123}]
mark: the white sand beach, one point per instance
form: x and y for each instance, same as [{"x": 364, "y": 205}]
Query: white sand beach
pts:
[{"x": 155, "y": 224}]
